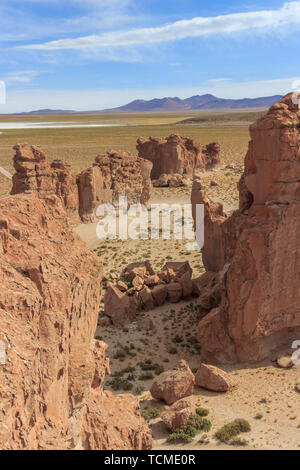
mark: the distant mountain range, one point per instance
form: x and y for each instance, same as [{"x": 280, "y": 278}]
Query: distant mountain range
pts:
[{"x": 195, "y": 103}]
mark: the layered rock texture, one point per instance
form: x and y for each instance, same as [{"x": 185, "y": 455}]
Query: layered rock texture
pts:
[
  {"x": 112, "y": 175},
  {"x": 176, "y": 155},
  {"x": 252, "y": 290},
  {"x": 51, "y": 385}
]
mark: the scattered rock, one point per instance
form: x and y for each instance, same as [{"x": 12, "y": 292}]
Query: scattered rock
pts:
[
  {"x": 214, "y": 379},
  {"x": 174, "y": 384}
]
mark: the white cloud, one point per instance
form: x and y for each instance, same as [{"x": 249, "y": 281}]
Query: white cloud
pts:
[
  {"x": 82, "y": 100},
  {"x": 226, "y": 24},
  {"x": 25, "y": 76}
]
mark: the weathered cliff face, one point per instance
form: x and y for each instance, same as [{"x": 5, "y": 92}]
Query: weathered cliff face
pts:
[
  {"x": 255, "y": 253},
  {"x": 51, "y": 385},
  {"x": 178, "y": 155},
  {"x": 113, "y": 174}
]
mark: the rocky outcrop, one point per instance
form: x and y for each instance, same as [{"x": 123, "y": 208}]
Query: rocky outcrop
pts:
[
  {"x": 34, "y": 174},
  {"x": 66, "y": 188},
  {"x": 177, "y": 155},
  {"x": 255, "y": 253},
  {"x": 174, "y": 384},
  {"x": 51, "y": 385},
  {"x": 112, "y": 175},
  {"x": 33, "y": 171}
]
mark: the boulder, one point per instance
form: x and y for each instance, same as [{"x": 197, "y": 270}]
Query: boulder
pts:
[
  {"x": 172, "y": 385},
  {"x": 285, "y": 362},
  {"x": 167, "y": 275},
  {"x": 213, "y": 379},
  {"x": 159, "y": 294},
  {"x": 146, "y": 298},
  {"x": 145, "y": 323},
  {"x": 119, "y": 306},
  {"x": 179, "y": 268},
  {"x": 151, "y": 281},
  {"x": 177, "y": 415},
  {"x": 187, "y": 286},
  {"x": 174, "y": 292}
]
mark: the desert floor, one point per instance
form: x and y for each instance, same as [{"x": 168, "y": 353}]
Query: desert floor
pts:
[{"x": 265, "y": 394}]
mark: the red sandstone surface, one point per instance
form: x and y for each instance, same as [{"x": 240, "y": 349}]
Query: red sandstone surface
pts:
[{"x": 253, "y": 255}]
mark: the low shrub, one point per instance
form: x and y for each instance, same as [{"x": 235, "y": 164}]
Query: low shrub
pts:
[{"x": 229, "y": 431}]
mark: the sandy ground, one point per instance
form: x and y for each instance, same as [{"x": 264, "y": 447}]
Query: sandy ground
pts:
[{"x": 265, "y": 394}]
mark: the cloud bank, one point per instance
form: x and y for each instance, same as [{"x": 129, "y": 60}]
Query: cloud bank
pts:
[{"x": 266, "y": 20}]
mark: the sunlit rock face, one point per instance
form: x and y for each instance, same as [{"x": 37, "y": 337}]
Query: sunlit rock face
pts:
[{"x": 255, "y": 253}]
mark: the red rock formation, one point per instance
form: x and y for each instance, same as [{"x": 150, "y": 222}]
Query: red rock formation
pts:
[
  {"x": 33, "y": 171},
  {"x": 66, "y": 188},
  {"x": 34, "y": 174},
  {"x": 113, "y": 174},
  {"x": 51, "y": 385},
  {"x": 257, "y": 248},
  {"x": 177, "y": 155},
  {"x": 212, "y": 153}
]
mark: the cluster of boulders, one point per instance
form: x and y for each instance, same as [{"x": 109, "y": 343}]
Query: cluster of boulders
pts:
[
  {"x": 139, "y": 288},
  {"x": 175, "y": 385},
  {"x": 249, "y": 302},
  {"x": 112, "y": 175},
  {"x": 176, "y": 158}
]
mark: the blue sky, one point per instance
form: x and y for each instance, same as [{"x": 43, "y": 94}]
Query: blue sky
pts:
[{"x": 94, "y": 54}]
